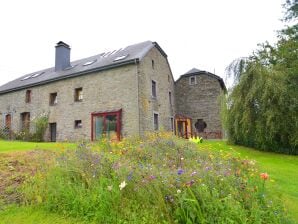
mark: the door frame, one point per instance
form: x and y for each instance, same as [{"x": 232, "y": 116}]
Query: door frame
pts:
[{"x": 118, "y": 113}]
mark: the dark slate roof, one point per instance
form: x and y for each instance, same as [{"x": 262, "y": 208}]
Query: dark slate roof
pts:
[
  {"x": 128, "y": 55},
  {"x": 195, "y": 71}
]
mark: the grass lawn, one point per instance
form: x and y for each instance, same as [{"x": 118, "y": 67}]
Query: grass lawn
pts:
[
  {"x": 7, "y": 146},
  {"x": 22, "y": 215},
  {"x": 283, "y": 171}
]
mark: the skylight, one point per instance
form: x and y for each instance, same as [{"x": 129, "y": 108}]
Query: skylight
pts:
[
  {"x": 70, "y": 67},
  {"x": 25, "y": 78},
  {"x": 120, "y": 57},
  {"x": 89, "y": 62},
  {"x": 36, "y": 74}
]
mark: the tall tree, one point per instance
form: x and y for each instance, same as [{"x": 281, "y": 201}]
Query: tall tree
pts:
[{"x": 262, "y": 108}]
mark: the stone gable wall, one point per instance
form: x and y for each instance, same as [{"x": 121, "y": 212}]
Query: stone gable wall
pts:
[
  {"x": 200, "y": 101},
  {"x": 159, "y": 72}
]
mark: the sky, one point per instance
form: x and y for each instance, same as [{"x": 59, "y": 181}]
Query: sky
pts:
[{"x": 207, "y": 35}]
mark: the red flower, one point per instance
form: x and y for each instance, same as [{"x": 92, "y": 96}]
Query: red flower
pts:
[{"x": 264, "y": 176}]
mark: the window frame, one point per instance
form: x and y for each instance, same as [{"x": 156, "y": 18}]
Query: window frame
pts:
[
  {"x": 195, "y": 80},
  {"x": 118, "y": 114},
  {"x": 155, "y": 126},
  {"x": 77, "y": 95},
  {"x": 25, "y": 121},
  {"x": 28, "y": 96},
  {"x": 78, "y": 124},
  {"x": 53, "y": 101},
  {"x": 153, "y": 89}
]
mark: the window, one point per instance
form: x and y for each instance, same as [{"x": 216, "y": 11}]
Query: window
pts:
[
  {"x": 169, "y": 78},
  {"x": 155, "y": 120},
  {"x": 106, "y": 125},
  {"x": 53, "y": 99},
  {"x": 152, "y": 64},
  {"x": 153, "y": 89},
  {"x": 28, "y": 96},
  {"x": 78, "y": 94},
  {"x": 170, "y": 98},
  {"x": 192, "y": 80},
  {"x": 78, "y": 123},
  {"x": 25, "y": 121},
  {"x": 172, "y": 123}
]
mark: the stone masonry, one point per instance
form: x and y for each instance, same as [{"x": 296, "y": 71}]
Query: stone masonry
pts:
[{"x": 197, "y": 96}]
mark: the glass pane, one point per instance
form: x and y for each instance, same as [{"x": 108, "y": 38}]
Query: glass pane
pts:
[
  {"x": 98, "y": 127},
  {"x": 111, "y": 126}
]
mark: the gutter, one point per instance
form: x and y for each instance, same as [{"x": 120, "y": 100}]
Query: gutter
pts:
[{"x": 103, "y": 68}]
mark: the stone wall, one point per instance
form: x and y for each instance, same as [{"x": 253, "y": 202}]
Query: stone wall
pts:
[
  {"x": 155, "y": 67},
  {"x": 102, "y": 91},
  {"x": 200, "y": 101}
]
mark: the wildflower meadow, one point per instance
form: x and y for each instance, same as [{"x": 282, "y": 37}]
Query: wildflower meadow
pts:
[{"x": 155, "y": 179}]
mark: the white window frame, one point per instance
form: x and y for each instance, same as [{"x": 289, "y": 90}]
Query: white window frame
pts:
[{"x": 191, "y": 78}]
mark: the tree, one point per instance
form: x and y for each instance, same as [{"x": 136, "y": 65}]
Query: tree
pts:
[{"x": 262, "y": 108}]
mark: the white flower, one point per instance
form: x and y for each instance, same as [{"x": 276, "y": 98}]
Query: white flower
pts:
[
  {"x": 110, "y": 188},
  {"x": 122, "y": 185},
  {"x": 178, "y": 191}
]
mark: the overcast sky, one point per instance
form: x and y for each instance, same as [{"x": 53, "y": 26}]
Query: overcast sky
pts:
[{"x": 204, "y": 34}]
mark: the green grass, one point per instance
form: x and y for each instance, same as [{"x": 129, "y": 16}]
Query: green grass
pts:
[
  {"x": 28, "y": 215},
  {"x": 283, "y": 171},
  {"x": 10, "y": 146}
]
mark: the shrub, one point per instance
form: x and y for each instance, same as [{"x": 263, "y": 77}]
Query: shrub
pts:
[{"x": 155, "y": 179}]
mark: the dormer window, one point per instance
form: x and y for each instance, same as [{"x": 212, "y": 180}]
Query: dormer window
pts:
[
  {"x": 192, "y": 80},
  {"x": 28, "y": 96}
]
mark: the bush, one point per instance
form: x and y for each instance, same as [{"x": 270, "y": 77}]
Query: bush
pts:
[{"x": 156, "y": 179}]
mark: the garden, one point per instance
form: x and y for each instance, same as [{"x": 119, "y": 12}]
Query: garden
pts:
[{"x": 156, "y": 179}]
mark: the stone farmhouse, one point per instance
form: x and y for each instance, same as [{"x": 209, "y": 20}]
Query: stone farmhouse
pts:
[{"x": 120, "y": 93}]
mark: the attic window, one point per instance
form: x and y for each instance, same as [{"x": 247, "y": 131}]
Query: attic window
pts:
[
  {"x": 120, "y": 57},
  {"x": 89, "y": 62},
  {"x": 192, "y": 80}
]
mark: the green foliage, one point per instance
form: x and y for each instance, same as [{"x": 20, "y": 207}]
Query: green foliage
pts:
[
  {"x": 40, "y": 124},
  {"x": 261, "y": 111},
  {"x": 156, "y": 179}
]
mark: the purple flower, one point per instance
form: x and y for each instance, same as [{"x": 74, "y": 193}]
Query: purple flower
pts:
[{"x": 180, "y": 171}]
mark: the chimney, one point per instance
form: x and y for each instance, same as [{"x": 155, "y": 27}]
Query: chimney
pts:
[{"x": 62, "y": 60}]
